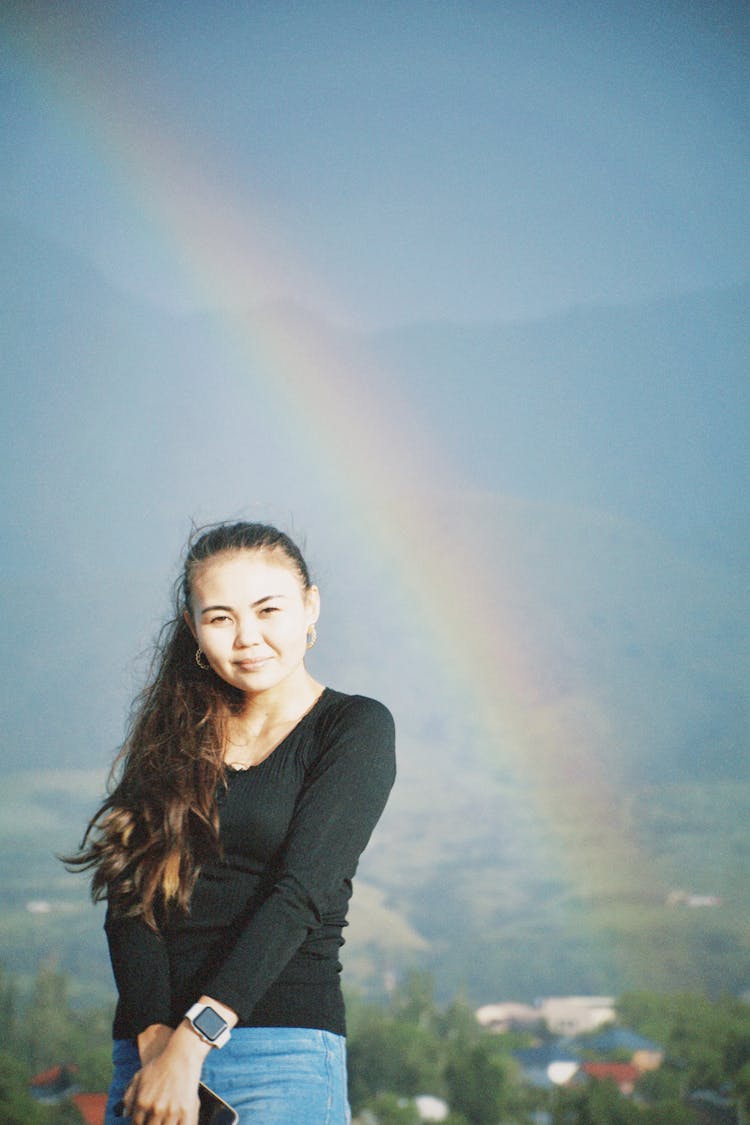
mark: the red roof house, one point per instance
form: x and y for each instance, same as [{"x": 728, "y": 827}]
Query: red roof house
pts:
[
  {"x": 624, "y": 1075},
  {"x": 54, "y": 1084},
  {"x": 91, "y": 1107}
]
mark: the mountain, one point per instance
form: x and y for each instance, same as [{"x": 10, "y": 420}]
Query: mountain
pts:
[{"x": 638, "y": 411}]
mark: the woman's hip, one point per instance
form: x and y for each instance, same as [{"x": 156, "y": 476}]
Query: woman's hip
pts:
[{"x": 270, "y": 1075}]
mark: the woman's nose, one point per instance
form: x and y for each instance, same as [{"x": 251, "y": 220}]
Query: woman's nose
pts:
[{"x": 247, "y": 632}]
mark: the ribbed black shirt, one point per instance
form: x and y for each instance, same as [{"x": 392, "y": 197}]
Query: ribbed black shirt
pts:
[{"x": 265, "y": 923}]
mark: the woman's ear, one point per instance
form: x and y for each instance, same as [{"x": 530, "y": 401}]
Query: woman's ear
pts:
[
  {"x": 189, "y": 622},
  {"x": 312, "y": 598}
]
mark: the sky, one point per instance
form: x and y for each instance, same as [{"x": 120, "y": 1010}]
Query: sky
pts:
[
  {"x": 455, "y": 292},
  {"x": 391, "y": 162},
  {"x": 222, "y": 221}
]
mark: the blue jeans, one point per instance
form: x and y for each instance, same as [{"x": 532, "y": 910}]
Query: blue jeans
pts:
[{"x": 271, "y": 1075}]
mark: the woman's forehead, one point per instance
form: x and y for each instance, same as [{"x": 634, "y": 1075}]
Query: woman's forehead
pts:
[{"x": 245, "y": 570}]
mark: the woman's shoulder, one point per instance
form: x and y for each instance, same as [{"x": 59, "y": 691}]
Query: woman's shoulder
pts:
[
  {"x": 344, "y": 707},
  {"x": 351, "y": 727}
]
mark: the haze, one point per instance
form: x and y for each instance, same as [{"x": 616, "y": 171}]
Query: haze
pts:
[{"x": 455, "y": 292}]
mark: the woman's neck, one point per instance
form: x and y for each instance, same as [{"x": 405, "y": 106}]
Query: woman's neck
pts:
[
  {"x": 268, "y": 717},
  {"x": 285, "y": 703}
]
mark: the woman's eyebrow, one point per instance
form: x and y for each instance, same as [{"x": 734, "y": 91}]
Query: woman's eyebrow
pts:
[{"x": 229, "y": 609}]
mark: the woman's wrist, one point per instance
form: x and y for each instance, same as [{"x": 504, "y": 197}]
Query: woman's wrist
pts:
[
  {"x": 152, "y": 1041},
  {"x": 186, "y": 1043}
]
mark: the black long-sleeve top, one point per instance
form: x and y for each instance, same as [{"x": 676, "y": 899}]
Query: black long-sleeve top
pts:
[{"x": 266, "y": 918}]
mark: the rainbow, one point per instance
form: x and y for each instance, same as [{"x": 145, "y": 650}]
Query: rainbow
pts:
[{"x": 546, "y": 743}]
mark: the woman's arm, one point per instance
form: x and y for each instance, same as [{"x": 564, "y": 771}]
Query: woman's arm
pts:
[
  {"x": 141, "y": 971},
  {"x": 165, "y": 1090},
  {"x": 340, "y": 804}
]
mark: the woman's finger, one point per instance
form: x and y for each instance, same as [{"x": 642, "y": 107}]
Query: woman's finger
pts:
[{"x": 128, "y": 1098}]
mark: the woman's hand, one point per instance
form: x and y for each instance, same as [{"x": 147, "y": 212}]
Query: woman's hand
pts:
[
  {"x": 152, "y": 1041},
  {"x": 165, "y": 1089}
]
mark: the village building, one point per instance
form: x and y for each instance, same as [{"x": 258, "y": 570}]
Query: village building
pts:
[
  {"x": 563, "y": 1015},
  {"x": 54, "y": 1085},
  {"x": 507, "y": 1017},
  {"x": 548, "y": 1065},
  {"x": 642, "y": 1053},
  {"x": 624, "y": 1075},
  {"x": 91, "y": 1107},
  {"x": 575, "y": 1015}
]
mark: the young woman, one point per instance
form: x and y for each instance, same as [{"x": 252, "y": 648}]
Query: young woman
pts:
[{"x": 246, "y": 794}]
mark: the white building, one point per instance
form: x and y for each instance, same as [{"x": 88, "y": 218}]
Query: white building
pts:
[
  {"x": 430, "y": 1108},
  {"x": 574, "y": 1015},
  {"x": 503, "y": 1017},
  {"x": 564, "y": 1015}
]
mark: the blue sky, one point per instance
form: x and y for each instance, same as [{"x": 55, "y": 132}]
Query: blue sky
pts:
[
  {"x": 387, "y": 164},
  {"x": 449, "y": 161},
  {"x": 383, "y": 165}
]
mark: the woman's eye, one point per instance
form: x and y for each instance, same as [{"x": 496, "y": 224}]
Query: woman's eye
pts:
[
  {"x": 218, "y": 619},
  {"x": 269, "y": 609}
]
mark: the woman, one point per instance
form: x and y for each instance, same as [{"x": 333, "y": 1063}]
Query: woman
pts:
[{"x": 246, "y": 793}]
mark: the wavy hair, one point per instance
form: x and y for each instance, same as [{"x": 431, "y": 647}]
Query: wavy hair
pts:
[{"x": 146, "y": 842}]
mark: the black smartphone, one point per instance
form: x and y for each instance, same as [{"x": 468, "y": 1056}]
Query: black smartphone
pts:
[{"x": 214, "y": 1110}]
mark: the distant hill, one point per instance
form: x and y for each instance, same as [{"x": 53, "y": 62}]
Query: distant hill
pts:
[
  {"x": 639, "y": 412},
  {"x": 642, "y": 412}
]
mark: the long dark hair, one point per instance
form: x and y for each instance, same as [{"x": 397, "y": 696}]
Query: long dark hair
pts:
[{"x": 146, "y": 842}]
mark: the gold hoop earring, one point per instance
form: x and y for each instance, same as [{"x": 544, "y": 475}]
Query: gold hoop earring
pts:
[
  {"x": 312, "y": 636},
  {"x": 199, "y": 660}
]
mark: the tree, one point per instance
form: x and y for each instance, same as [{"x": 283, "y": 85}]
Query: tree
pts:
[
  {"x": 458, "y": 1022},
  {"x": 596, "y": 1103},
  {"x": 52, "y": 1033},
  {"x": 415, "y": 1002},
  {"x": 601, "y": 1103},
  {"x": 17, "y": 1107},
  {"x": 8, "y": 1006},
  {"x": 476, "y": 1083},
  {"x": 707, "y": 1042},
  {"x": 388, "y": 1055},
  {"x": 389, "y": 1109},
  {"x": 48, "y": 1036},
  {"x": 742, "y": 1086}
]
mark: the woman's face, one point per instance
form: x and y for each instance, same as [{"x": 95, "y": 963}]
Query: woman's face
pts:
[{"x": 250, "y": 615}]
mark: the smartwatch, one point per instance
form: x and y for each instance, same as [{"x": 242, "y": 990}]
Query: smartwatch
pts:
[{"x": 208, "y": 1024}]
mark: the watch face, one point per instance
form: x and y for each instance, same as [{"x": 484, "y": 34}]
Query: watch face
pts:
[{"x": 210, "y": 1023}]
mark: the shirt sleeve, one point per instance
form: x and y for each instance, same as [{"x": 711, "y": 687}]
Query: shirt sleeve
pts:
[
  {"x": 343, "y": 797},
  {"x": 141, "y": 971}
]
